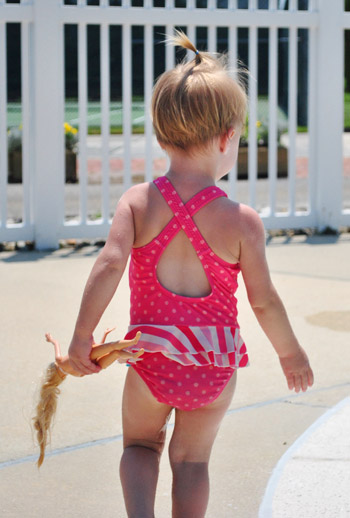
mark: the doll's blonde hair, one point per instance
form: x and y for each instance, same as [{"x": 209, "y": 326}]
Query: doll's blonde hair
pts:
[
  {"x": 196, "y": 101},
  {"x": 46, "y": 407}
]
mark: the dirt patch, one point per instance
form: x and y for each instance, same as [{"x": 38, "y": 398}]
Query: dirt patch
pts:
[{"x": 335, "y": 320}]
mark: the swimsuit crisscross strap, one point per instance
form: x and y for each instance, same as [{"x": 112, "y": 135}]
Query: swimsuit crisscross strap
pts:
[{"x": 184, "y": 212}]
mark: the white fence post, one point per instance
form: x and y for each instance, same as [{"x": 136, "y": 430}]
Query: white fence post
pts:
[
  {"x": 48, "y": 127},
  {"x": 329, "y": 116}
]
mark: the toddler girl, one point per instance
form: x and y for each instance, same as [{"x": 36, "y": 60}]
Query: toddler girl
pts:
[{"x": 188, "y": 242}]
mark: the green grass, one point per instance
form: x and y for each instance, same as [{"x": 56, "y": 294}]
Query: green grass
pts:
[
  {"x": 347, "y": 110},
  {"x": 14, "y": 115},
  {"x": 94, "y": 117}
]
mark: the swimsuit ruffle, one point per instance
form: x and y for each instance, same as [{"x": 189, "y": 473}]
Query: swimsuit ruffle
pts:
[{"x": 221, "y": 346}]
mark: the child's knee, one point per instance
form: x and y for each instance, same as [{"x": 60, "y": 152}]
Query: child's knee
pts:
[
  {"x": 185, "y": 470},
  {"x": 179, "y": 455},
  {"x": 157, "y": 446}
]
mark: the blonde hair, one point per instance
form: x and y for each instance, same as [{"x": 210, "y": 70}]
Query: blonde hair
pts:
[
  {"x": 46, "y": 407},
  {"x": 196, "y": 101}
]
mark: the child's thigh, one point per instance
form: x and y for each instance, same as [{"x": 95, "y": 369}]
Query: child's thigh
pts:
[
  {"x": 195, "y": 430},
  {"x": 144, "y": 418}
]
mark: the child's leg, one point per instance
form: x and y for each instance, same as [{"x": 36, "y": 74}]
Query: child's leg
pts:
[
  {"x": 144, "y": 428},
  {"x": 189, "y": 453}
]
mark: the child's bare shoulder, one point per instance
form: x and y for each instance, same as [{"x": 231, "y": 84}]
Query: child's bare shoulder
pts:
[
  {"x": 137, "y": 191},
  {"x": 139, "y": 197},
  {"x": 241, "y": 217},
  {"x": 140, "y": 193}
]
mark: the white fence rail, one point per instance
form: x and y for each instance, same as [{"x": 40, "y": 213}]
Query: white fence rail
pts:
[{"x": 315, "y": 198}]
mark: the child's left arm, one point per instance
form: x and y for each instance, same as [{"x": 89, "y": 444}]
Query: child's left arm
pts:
[
  {"x": 101, "y": 286},
  {"x": 267, "y": 305}
]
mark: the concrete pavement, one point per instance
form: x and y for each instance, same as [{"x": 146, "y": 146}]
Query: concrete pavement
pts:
[
  {"x": 266, "y": 456},
  {"x": 312, "y": 478}
]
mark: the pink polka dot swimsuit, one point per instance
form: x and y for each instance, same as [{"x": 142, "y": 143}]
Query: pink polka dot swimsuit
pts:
[{"x": 192, "y": 344}]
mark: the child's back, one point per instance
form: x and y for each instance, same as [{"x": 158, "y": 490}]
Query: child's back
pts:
[{"x": 219, "y": 222}]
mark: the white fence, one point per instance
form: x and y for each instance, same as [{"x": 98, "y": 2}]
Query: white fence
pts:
[{"x": 43, "y": 191}]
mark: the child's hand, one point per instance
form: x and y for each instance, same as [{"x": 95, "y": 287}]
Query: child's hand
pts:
[
  {"x": 297, "y": 371},
  {"x": 79, "y": 356}
]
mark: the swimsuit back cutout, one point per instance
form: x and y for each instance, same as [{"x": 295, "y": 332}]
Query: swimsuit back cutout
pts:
[{"x": 170, "y": 317}]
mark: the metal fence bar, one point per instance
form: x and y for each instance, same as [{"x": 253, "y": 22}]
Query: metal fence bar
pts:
[
  {"x": 105, "y": 110},
  {"x": 191, "y": 33},
  {"x": 232, "y": 49},
  {"x": 14, "y": 13},
  {"x": 232, "y": 5},
  {"x": 292, "y": 116},
  {"x": 26, "y": 120},
  {"x": 169, "y": 49},
  {"x": 148, "y": 49},
  {"x": 312, "y": 120},
  {"x": 346, "y": 20},
  {"x": 169, "y": 58},
  {"x": 273, "y": 103},
  {"x": 212, "y": 39},
  {"x": 3, "y": 127},
  {"x": 313, "y": 5},
  {"x": 60, "y": 106},
  {"x": 180, "y": 16},
  {"x": 82, "y": 108},
  {"x": 48, "y": 128},
  {"x": 330, "y": 92},
  {"x": 252, "y": 133},
  {"x": 126, "y": 71}
]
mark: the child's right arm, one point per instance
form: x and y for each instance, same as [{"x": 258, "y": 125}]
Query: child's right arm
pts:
[
  {"x": 101, "y": 285},
  {"x": 267, "y": 305}
]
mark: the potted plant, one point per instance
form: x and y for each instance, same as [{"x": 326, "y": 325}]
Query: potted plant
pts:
[
  {"x": 262, "y": 135},
  {"x": 71, "y": 145},
  {"x": 14, "y": 140},
  {"x": 14, "y": 147}
]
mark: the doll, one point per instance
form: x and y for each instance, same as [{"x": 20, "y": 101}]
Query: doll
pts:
[{"x": 104, "y": 354}]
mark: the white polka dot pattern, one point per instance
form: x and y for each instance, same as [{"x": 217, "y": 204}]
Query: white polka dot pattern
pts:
[{"x": 186, "y": 389}]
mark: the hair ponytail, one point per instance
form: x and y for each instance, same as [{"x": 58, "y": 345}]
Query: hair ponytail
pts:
[{"x": 181, "y": 39}]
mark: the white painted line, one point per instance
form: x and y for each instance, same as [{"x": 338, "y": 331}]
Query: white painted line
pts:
[
  {"x": 107, "y": 440},
  {"x": 59, "y": 451},
  {"x": 265, "y": 510}
]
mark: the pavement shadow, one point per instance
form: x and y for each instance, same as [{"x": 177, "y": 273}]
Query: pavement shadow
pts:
[
  {"x": 315, "y": 239},
  {"x": 32, "y": 256}
]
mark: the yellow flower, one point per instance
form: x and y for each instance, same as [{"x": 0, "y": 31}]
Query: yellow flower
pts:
[
  {"x": 69, "y": 129},
  {"x": 258, "y": 124}
]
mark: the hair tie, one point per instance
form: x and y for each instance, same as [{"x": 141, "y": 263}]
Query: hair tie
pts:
[{"x": 197, "y": 52}]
